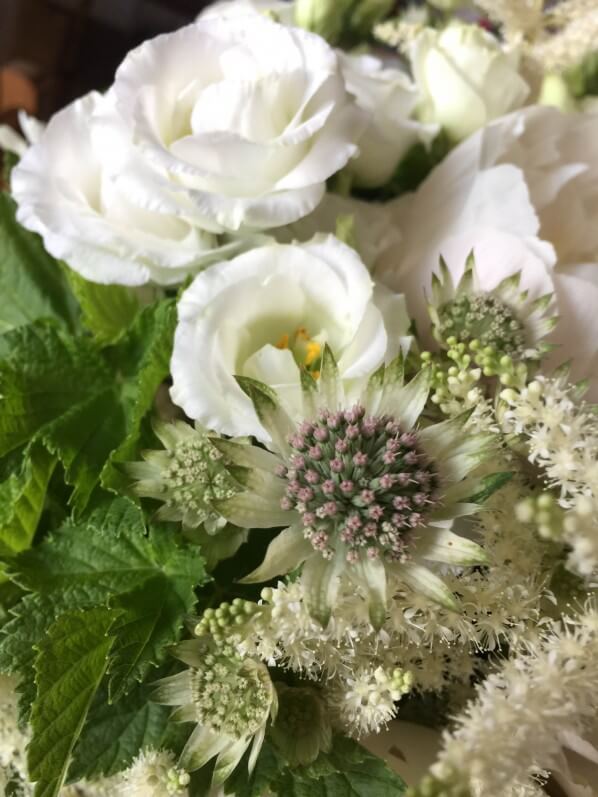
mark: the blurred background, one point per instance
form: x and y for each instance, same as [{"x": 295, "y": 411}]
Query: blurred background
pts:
[{"x": 52, "y": 51}]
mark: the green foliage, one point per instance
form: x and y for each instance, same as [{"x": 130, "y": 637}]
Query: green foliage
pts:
[
  {"x": 106, "y": 559},
  {"x": 411, "y": 171},
  {"x": 582, "y": 79},
  {"x": 115, "y": 733},
  {"x": 32, "y": 285},
  {"x": 106, "y": 310},
  {"x": 348, "y": 770},
  {"x": 22, "y": 499},
  {"x": 69, "y": 668}
]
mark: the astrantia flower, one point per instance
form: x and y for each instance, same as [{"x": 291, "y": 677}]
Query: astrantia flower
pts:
[
  {"x": 245, "y": 118},
  {"x": 365, "y": 488},
  {"x": 501, "y": 319},
  {"x": 267, "y": 315},
  {"x": 153, "y": 774},
  {"x": 229, "y": 698}
]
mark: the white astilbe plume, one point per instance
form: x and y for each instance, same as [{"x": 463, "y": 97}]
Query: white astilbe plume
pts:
[
  {"x": 516, "y": 17},
  {"x": 562, "y": 438},
  {"x": 152, "y": 774},
  {"x": 514, "y": 730},
  {"x": 500, "y": 605}
]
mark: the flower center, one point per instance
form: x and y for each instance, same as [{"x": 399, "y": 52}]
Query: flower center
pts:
[
  {"x": 358, "y": 482},
  {"x": 485, "y": 319},
  {"x": 230, "y": 696},
  {"x": 306, "y": 351}
]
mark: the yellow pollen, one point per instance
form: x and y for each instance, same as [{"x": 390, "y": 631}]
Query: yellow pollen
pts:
[{"x": 313, "y": 351}]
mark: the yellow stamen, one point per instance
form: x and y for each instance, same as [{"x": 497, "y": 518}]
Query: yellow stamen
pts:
[
  {"x": 313, "y": 351},
  {"x": 283, "y": 343}
]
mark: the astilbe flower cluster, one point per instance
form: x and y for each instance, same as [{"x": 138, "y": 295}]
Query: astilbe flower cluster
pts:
[{"x": 359, "y": 480}]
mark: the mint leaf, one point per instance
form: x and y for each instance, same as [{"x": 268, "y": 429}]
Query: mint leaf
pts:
[
  {"x": 70, "y": 665},
  {"x": 142, "y": 359},
  {"x": 43, "y": 377},
  {"x": 32, "y": 285},
  {"x": 115, "y": 734},
  {"x": 106, "y": 310},
  {"x": 22, "y": 498}
]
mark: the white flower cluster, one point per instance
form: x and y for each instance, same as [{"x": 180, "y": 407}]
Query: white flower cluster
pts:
[
  {"x": 561, "y": 433},
  {"x": 527, "y": 711}
]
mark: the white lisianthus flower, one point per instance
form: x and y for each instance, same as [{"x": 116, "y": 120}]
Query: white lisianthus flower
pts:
[
  {"x": 389, "y": 98},
  {"x": 267, "y": 314},
  {"x": 466, "y": 78},
  {"x": 521, "y": 194},
  {"x": 247, "y": 118},
  {"x": 73, "y": 187}
]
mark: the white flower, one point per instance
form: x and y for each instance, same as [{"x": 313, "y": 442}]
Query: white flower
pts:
[
  {"x": 247, "y": 118},
  {"x": 12, "y": 141},
  {"x": 531, "y": 175},
  {"x": 153, "y": 774},
  {"x": 267, "y": 315},
  {"x": 466, "y": 78},
  {"x": 279, "y": 10},
  {"x": 74, "y": 189},
  {"x": 389, "y": 98},
  {"x": 458, "y": 210}
]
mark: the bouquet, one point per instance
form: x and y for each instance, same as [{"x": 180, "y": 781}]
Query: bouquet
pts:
[{"x": 299, "y": 344}]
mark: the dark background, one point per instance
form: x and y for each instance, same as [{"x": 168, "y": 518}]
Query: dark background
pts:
[{"x": 52, "y": 51}]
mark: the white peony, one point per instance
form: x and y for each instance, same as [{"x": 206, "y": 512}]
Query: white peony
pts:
[
  {"x": 73, "y": 187},
  {"x": 389, "y": 98},
  {"x": 466, "y": 78},
  {"x": 247, "y": 118},
  {"x": 267, "y": 314}
]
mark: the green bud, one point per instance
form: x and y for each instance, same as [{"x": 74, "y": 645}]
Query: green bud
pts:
[
  {"x": 367, "y": 13},
  {"x": 325, "y": 17}
]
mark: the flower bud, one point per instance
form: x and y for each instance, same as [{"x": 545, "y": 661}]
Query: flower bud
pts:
[
  {"x": 368, "y": 13},
  {"x": 325, "y": 17}
]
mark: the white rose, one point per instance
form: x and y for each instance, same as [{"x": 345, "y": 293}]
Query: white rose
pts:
[
  {"x": 247, "y": 118},
  {"x": 466, "y": 78},
  {"x": 72, "y": 188},
  {"x": 268, "y": 313},
  {"x": 389, "y": 98}
]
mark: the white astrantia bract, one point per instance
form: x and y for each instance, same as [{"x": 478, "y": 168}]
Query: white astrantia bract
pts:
[
  {"x": 389, "y": 98},
  {"x": 74, "y": 188},
  {"x": 466, "y": 78},
  {"x": 153, "y": 773},
  {"x": 229, "y": 698},
  {"x": 246, "y": 117},
  {"x": 367, "y": 493},
  {"x": 267, "y": 314}
]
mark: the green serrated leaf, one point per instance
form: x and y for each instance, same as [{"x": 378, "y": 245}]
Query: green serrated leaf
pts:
[
  {"x": 106, "y": 310},
  {"x": 142, "y": 358},
  {"x": 70, "y": 665},
  {"x": 22, "y": 499},
  {"x": 106, "y": 555},
  {"x": 114, "y": 734},
  {"x": 152, "y": 620},
  {"x": 31, "y": 283},
  {"x": 43, "y": 377}
]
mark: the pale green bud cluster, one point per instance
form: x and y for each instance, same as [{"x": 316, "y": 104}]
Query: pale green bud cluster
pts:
[
  {"x": 231, "y": 695},
  {"x": 482, "y": 318},
  {"x": 545, "y": 513},
  {"x": 226, "y": 621},
  {"x": 191, "y": 476},
  {"x": 401, "y": 683},
  {"x": 334, "y": 19},
  {"x": 430, "y": 786}
]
